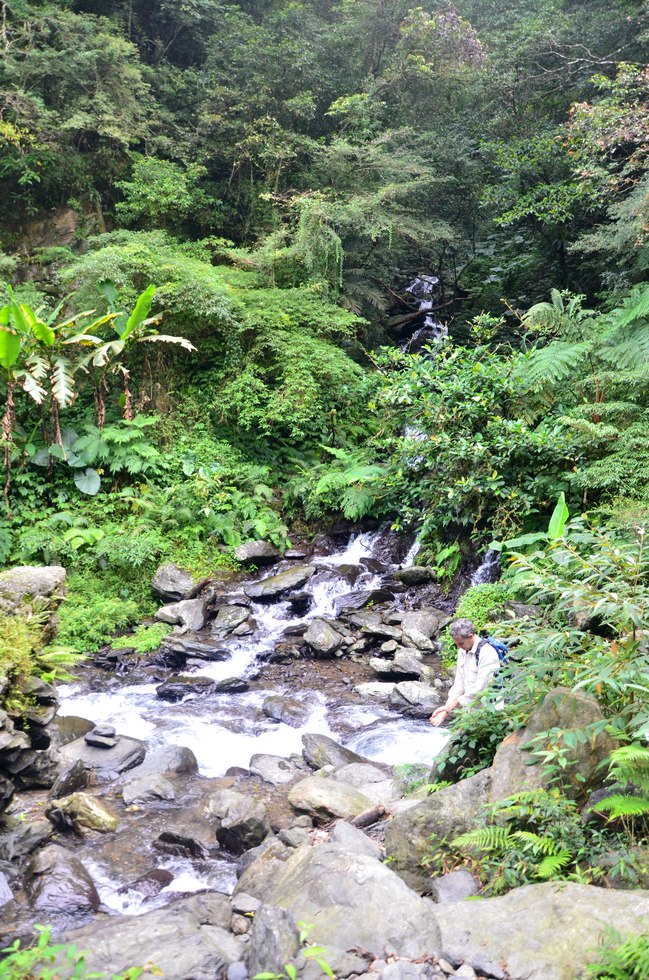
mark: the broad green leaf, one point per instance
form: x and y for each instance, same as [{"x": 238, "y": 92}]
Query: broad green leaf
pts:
[
  {"x": 108, "y": 290},
  {"x": 44, "y": 334},
  {"x": 9, "y": 345},
  {"x": 58, "y": 452},
  {"x": 140, "y": 312},
  {"x": 62, "y": 382},
  {"x": 558, "y": 520},
  {"x": 88, "y": 481}
]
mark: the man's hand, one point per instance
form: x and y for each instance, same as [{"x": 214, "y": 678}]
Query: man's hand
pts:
[{"x": 439, "y": 715}]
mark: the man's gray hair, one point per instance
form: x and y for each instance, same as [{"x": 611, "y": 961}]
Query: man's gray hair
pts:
[{"x": 463, "y": 628}]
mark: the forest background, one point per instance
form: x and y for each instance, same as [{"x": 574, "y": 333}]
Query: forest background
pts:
[{"x": 279, "y": 172}]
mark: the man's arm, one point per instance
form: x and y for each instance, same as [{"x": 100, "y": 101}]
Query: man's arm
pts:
[{"x": 454, "y": 695}]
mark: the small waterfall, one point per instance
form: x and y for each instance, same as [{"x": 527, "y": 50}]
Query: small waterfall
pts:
[
  {"x": 423, "y": 288},
  {"x": 489, "y": 570}
]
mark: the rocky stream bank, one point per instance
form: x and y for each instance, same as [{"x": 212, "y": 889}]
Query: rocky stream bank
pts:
[{"x": 143, "y": 836}]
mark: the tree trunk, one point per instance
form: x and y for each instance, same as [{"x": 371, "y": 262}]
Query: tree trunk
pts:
[{"x": 8, "y": 420}]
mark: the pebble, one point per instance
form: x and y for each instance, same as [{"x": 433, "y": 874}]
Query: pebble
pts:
[
  {"x": 445, "y": 965},
  {"x": 240, "y": 924},
  {"x": 237, "y": 971},
  {"x": 466, "y": 971}
]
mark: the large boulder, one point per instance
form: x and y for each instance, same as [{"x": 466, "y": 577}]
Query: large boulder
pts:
[
  {"x": 352, "y": 899},
  {"x": 325, "y": 797},
  {"x": 58, "y": 882},
  {"x": 568, "y": 711},
  {"x": 323, "y": 638},
  {"x": 106, "y": 764},
  {"x": 190, "y": 613},
  {"x": 287, "y": 710},
  {"x": 427, "y": 620},
  {"x": 257, "y": 553},
  {"x": 415, "y": 695},
  {"x": 320, "y": 750},
  {"x": 25, "y": 584},
  {"x": 277, "y": 585},
  {"x": 147, "y": 788},
  {"x": 274, "y": 941},
  {"x": 274, "y": 769},
  {"x": 541, "y": 932},
  {"x": 171, "y": 583},
  {"x": 447, "y": 813},
  {"x": 375, "y": 782},
  {"x": 80, "y": 811},
  {"x": 189, "y": 938},
  {"x": 228, "y": 618},
  {"x": 240, "y": 821}
]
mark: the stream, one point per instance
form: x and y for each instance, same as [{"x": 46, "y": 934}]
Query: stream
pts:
[{"x": 224, "y": 730}]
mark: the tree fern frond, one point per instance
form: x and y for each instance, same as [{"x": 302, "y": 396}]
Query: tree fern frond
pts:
[
  {"x": 553, "y": 863},
  {"x": 635, "y": 307},
  {"x": 553, "y": 364},
  {"x": 623, "y": 806},
  {"x": 485, "y": 839}
]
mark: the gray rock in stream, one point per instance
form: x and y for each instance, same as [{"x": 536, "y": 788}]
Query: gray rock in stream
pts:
[
  {"x": 352, "y": 899},
  {"x": 177, "y": 688},
  {"x": 274, "y": 769},
  {"x": 229, "y": 618},
  {"x": 240, "y": 821},
  {"x": 324, "y": 797},
  {"x": 276, "y": 585},
  {"x": 257, "y": 553},
  {"x": 287, "y": 710},
  {"x": 320, "y": 750},
  {"x": 188, "y": 938},
  {"x": 58, "y": 882},
  {"x": 274, "y": 941},
  {"x": 322, "y": 637},
  {"x": 171, "y": 583},
  {"x": 190, "y": 613},
  {"x": 193, "y": 644},
  {"x": 106, "y": 764}
]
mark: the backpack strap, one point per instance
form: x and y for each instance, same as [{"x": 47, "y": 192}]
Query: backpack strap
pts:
[{"x": 479, "y": 647}]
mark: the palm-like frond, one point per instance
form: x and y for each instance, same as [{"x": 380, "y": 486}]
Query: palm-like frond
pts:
[
  {"x": 62, "y": 381},
  {"x": 555, "y": 363},
  {"x": 492, "y": 838}
]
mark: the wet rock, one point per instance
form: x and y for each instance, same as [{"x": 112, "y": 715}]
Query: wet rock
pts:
[
  {"x": 106, "y": 764},
  {"x": 189, "y": 938},
  {"x": 276, "y": 585},
  {"x": 18, "y": 838},
  {"x": 566, "y": 710},
  {"x": 241, "y": 822},
  {"x": 379, "y": 785},
  {"x": 364, "y": 617},
  {"x": 169, "y": 759},
  {"x": 67, "y": 728},
  {"x": 352, "y": 899},
  {"x": 383, "y": 631},
  {"x": 389, "y": 647},
  {"x": 40, "y": 715},
  {"x": 58, "y": 882},
  {"x": 322, "y": 637},
  {"x": 404, "y": 665},
  {"x": 560, "y": 927},
  {"x": 257, "y": 553},
  {"x": 80, "y": 811},
  {"x": 286, "y": 710},
  {"x": 192, "y": 645},
  {"x": 190, "y": 613},
  {"x": 228, "y": 618},
  {"x": 414, "y": 694},
  {"x": 300, "y": 602},
  {"x": 325, "y": 797},
  {"x": 410, "y": 835},
  {"x": 427, "y": 620},
  {"x": 378, "y": 690},
  {"x": 352, "y": 839},
  {"x": 6, "y": 893},
  {"x": 454, "y": 887},
  {"x": 320, "y": 750},
  {"x": 104, "y": 736},
  {"x": 181, "y": 845},
  {"x": 254, "y": 865},
  {"x": 147, "y": 788},
  {"x": 149, "y": 884},
  {"x": 274, "y": 941},
  {"x": 231, "y": 685},
  {"x": 35, "y": 769},
  {"x": 362, "y": 598},
  {"x": 273, "y": 768},
  {"x": 413, "y": 637},
  {"x": 244, "y": 904},
  {"x": 39, "y": 689},
  {"x": 178, "y": 688},
  {"x": 414, "y": 575},
  {"x": 294, "y": 836},
  {"x": 171, "y": 583},
  {"x": 73, "y": 777}
]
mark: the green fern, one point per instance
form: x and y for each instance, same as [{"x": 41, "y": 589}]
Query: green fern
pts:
[
  {"x": 552, "y": 864},
  {"x": 492, "y": 838},
  {"x": 621, "y": 958}
]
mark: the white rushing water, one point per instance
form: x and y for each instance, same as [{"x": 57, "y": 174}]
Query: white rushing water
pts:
[{"x": 225, "y": 730}]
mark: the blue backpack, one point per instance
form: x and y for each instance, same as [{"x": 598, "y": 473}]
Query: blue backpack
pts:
[{"x": 499, "y": 646}]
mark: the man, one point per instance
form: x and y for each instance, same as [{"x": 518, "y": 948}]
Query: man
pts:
[{"x": 477, "y": 662}]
